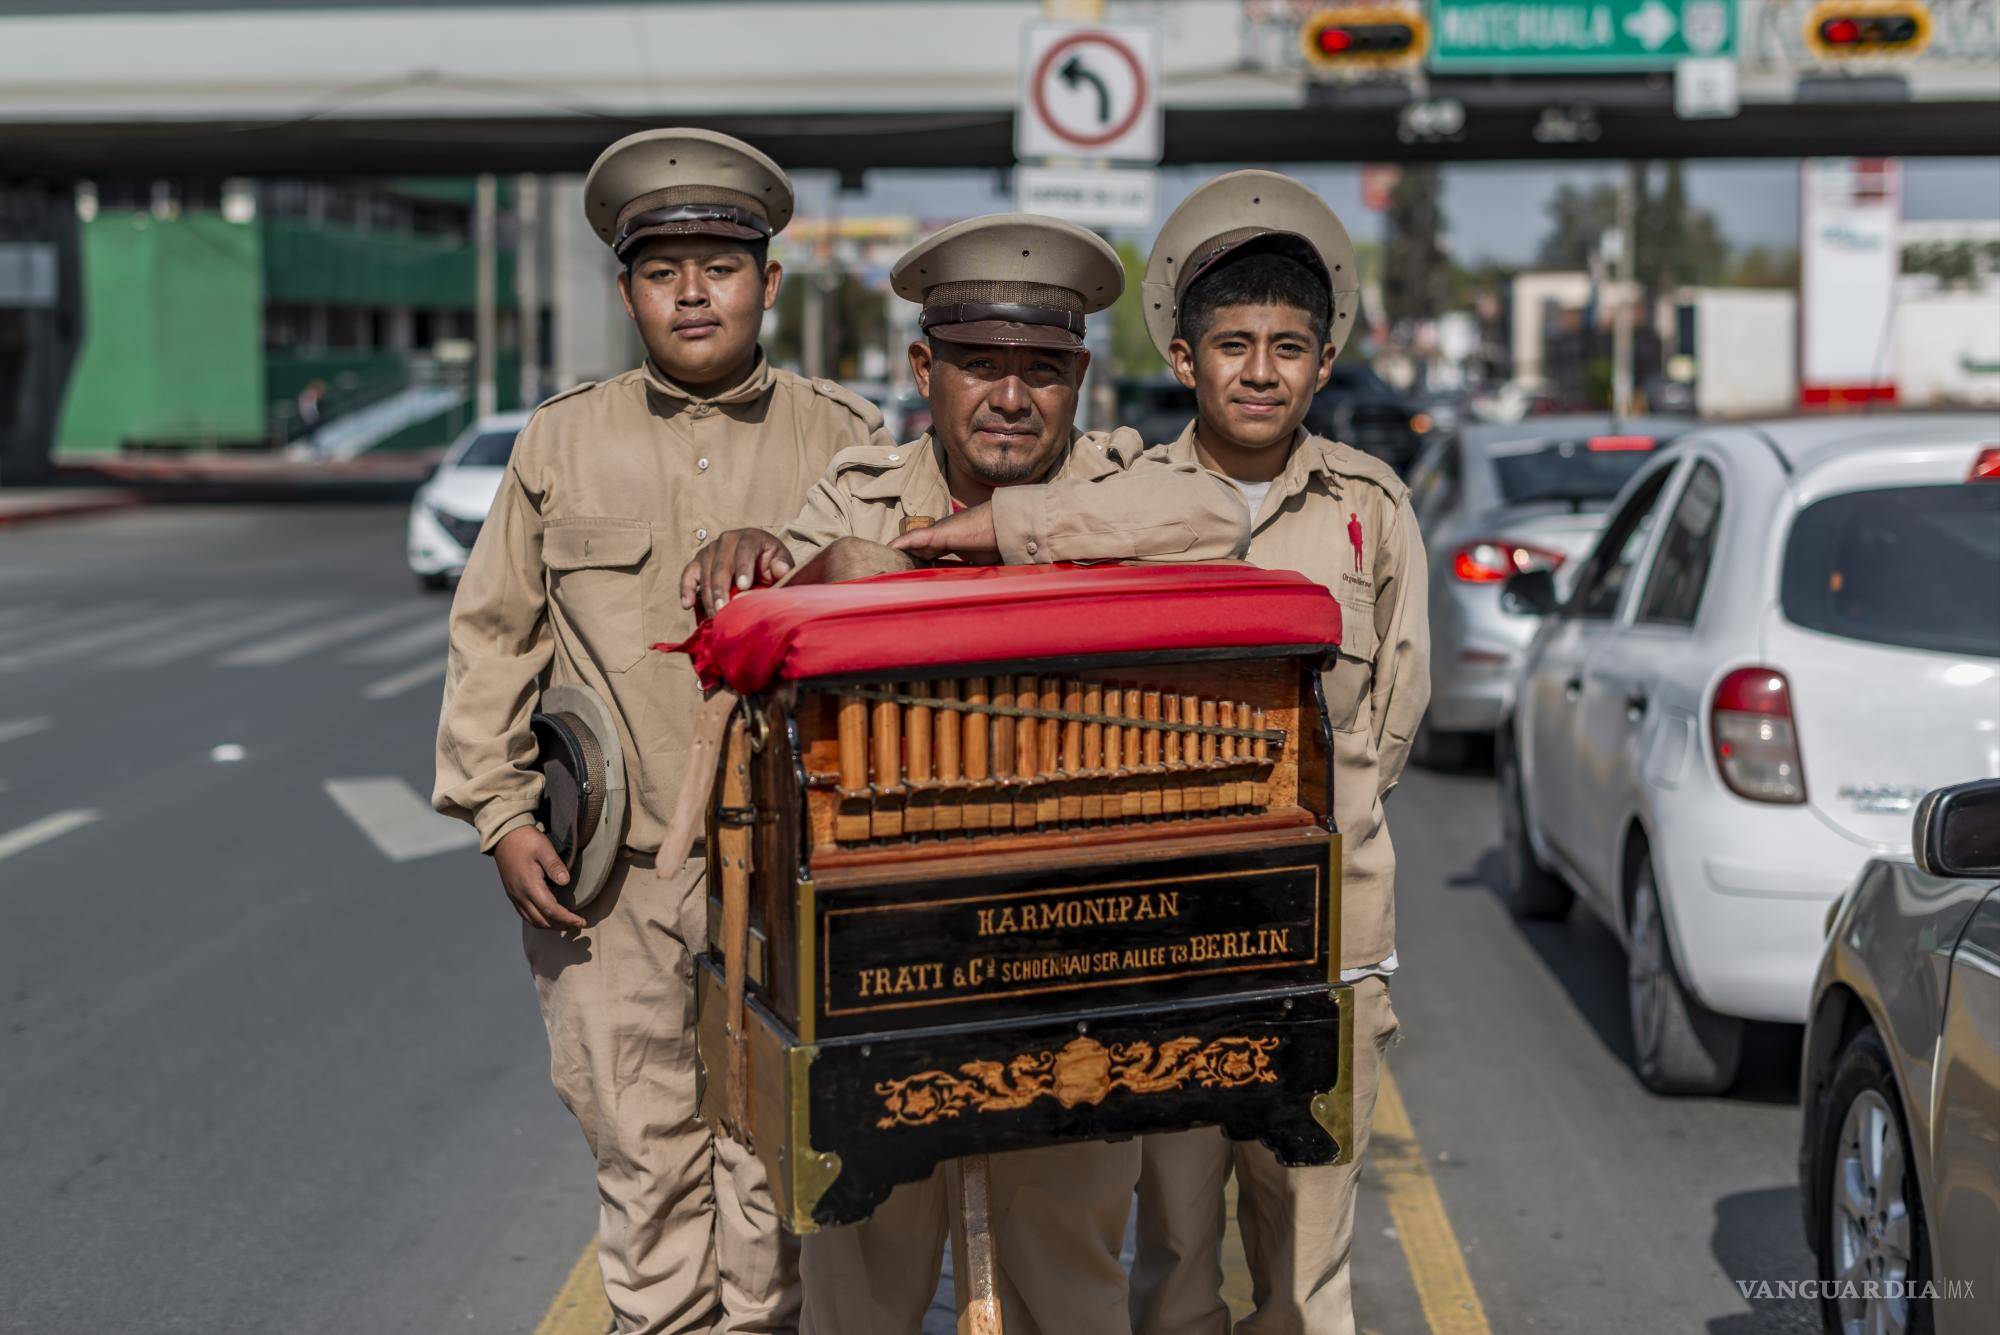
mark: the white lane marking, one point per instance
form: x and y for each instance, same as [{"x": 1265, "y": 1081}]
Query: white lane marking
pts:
[
  {"x": 230, "y": 632},
  {"x": 106, "y": 637},
  {"x": 47, "y": 828},
  {"x": 284, "y": 648},
  {"x": 13, "y": 728},
  {"x": 403, "y": 643},
  {"x": 396, "y": 820},
  {"x": 405, "y": 681},
  {"x": 64, "y": 622}
]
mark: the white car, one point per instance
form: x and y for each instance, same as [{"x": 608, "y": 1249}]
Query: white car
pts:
[
  {"x": 448, "y": 510},
  {"x": 1786, "y": 634}
]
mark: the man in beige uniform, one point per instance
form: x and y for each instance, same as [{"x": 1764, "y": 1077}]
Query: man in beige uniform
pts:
[
  {"x": 1248, "y": 293},
  {"x": 611, "y": 487},
  {"x": 1004, "y": 301}
]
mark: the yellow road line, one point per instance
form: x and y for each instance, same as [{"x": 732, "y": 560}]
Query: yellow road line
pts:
[
  {"x": 1437, "y": 1265},
  {"x": 579, "y": 1307}
]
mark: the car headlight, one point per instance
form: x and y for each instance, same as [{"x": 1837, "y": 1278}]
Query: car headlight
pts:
[{"x": 464, "y": 532}]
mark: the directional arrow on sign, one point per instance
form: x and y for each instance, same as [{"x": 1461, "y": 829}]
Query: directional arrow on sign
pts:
[
  {"x": 1652, "y": 26},
  {"x": 1074, "y": 72}
]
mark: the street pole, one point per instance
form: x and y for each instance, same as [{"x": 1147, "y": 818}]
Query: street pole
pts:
[
  {"x": 485, "y": 281},
  {"x": 1621, "y": 329},
  {"x": 528, "y": 284}
]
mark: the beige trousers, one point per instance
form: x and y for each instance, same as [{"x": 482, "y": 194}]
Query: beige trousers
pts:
[
  {"x": 1297, "y": 1223},
  {"x": 686, "y": 1233},
  {"x": 1058, "y": 1218}
]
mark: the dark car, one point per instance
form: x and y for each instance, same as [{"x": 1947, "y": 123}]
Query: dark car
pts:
[
  {"x": 1159, "y": 410},
  {"x": 1358, "y": 408},
  {"x": 1899, "y": 1156}
]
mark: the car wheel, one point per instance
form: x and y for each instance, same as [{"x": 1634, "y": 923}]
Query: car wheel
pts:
[
  {"x": 1530, "y": 889},
  {"x": 1441, "y": 750},
  {"x": 1870, "y": 1224},
  {"x": 438, "y": 581},
  {"x": 1679, "y": 1045}
]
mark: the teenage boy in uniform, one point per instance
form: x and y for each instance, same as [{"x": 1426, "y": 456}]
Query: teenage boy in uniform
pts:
[
  {"x": 611, "y": 487},
  {"x": 1005, "y": 474},
  {"x": 1248, "y": 294}
]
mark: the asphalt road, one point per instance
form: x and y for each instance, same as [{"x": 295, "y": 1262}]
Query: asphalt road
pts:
[{"x": 271, "y": 1058}]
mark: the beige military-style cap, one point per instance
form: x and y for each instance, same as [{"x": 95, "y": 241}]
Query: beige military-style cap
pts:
[
  {"x": 1245, "y": 212},
  {"x": 1016, "y": 279},
  {"x": 684, "y": 182}
]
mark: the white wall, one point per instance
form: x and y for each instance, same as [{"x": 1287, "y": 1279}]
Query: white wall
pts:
[
  {"x": 1945, "y": 341},
  {"x": 1746, "y": 359}
]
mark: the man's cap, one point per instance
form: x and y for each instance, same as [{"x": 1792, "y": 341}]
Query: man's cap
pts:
[
  {"x": 1010, "y": 279},
  {"x": 1243, "y": 213},
  {"x": 583, "y": 804},
  {"x": 684, "y": 183}
]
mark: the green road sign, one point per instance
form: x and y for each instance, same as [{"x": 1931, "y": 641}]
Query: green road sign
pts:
[{"x": 1569, "y": 36}]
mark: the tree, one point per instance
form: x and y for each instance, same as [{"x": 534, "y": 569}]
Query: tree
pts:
[
  {"x": 1416, "y": 271},
  {"x": 1677, "y": 244}
]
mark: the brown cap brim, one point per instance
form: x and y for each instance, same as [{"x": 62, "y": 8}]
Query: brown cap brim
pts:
[
  {"x": 717, "y": 227},
  {"x": 1007, "y": 334}
]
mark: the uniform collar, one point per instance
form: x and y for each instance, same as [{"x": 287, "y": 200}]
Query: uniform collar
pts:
[
  {"x": 1312, "y": 457},
  {"x": 917, "y": 478},
  {"x": 743, "y": 391}
]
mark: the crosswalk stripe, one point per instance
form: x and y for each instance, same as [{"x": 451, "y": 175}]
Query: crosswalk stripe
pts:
[
  {"x": 13, "y": 728},
  {"x": 403, "y": 643},
  {"x": 106, "y": 637},
  {"x": 405, "y": 681},
  {"x": 66, "y": 622},
  {"x": 396, "y": 820},
  {"x": 47, "y": 828},
  {"x": 233, "y": 631},
  {"x": 297, "y": 644}
]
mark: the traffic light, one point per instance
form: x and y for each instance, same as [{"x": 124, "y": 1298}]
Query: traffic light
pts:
[
  {"x": 1338, "y": 39},
  {"x": 1847, "y": 29}
]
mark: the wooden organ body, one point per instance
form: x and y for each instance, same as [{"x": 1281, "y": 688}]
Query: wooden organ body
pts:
[{"x": 967, "y": 907}]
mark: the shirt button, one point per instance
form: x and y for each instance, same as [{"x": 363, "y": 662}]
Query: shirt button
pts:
[
  {"x": 894, "y": 457},
  {"x": 702, "y": 464},
  {"x": 701, "y": 535},
  {"x": 1032, "y": 547}
]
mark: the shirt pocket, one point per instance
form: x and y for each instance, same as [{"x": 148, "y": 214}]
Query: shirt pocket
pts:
[
  {"x": 1347, "y": 685},
  {"x": 597, "y": 578}
]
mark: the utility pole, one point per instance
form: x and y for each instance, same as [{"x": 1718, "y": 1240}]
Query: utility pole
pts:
[
  {"x": 485, "y": 203},
  {"x": 1621, "y": 274},
  {"x": 528, "y": 284}
]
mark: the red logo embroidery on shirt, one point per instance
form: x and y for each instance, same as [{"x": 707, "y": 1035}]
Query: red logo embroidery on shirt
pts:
[{"x": 1354, "y": 536}]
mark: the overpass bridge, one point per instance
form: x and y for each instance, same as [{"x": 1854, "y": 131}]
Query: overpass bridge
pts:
[{"x": 137, "y": 90}]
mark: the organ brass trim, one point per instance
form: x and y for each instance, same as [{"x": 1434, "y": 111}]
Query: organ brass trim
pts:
[
  {"x": 813, "y": 1171},
  {"x": 1333, "y": 1108},
  {"x": 1082, "y": 1071}
]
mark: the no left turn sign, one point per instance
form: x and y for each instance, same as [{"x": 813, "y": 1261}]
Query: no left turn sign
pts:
[{"x": 1089, "y": 91}]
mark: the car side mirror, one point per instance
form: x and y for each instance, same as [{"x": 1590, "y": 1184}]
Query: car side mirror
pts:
[
  {"x": 1957, "y": 830},
  {"x": 1530, "y": 593}
]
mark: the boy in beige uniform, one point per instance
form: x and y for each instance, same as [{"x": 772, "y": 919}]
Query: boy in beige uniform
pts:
[
  {"x": 1004, "y": 300},
  {"x": 610, "y": 488},
  {"x": 1248, "y": 293}
]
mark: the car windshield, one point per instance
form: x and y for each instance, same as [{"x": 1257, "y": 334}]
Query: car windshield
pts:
[
  {"x": 489, "y": 449},
  {"x": 1917, "y": 567},
  {"x": 1569, "y": 470}
]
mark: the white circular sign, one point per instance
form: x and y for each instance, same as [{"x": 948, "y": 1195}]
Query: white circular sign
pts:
[{"x": 1089, "y": 92}]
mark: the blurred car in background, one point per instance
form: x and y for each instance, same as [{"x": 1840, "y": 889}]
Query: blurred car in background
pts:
[
  {"x": 447, "y": 511},
  {"x": 1785, "y": 635},
  {"x": 1899, "y": 1147},
  {"x": 1358, "y": 408},
  {"x": 1159, "y": 408},
  {"x": 1492, "y": 500}
]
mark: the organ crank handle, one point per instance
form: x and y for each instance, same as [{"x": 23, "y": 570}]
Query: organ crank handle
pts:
[{"x": 981, "y": 1313}]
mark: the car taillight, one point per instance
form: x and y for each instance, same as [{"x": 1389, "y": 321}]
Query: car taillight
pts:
[
  {"x": 1492, "y": 561},
  {"x": 1619, "y": 444},
  {"x": 1756, "y": 744},
  {"x": 1986, "y": 468}
]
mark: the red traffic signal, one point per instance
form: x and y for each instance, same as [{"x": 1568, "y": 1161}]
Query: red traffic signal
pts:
[
  {"x": 1844, "y": 29},
  {"x": 1351, "y": 38}
]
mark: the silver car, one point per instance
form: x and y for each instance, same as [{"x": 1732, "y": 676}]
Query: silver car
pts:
[
  {"x": 1899, "y": 1154},
  {"x": 1492, "y": 500}
]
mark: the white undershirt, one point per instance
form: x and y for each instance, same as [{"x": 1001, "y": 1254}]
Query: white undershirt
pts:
[{"x": 1253, "y": 495}]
